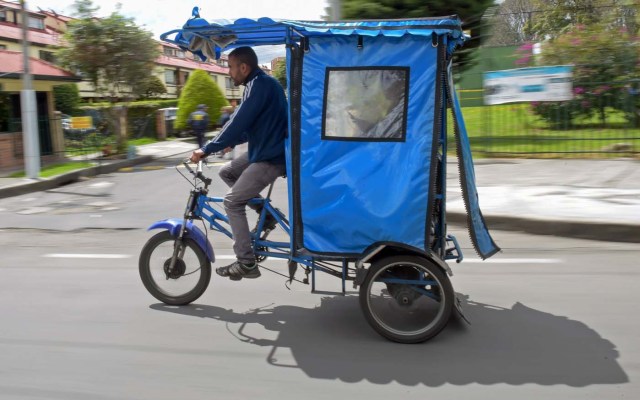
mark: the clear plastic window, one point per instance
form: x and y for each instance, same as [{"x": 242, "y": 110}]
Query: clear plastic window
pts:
[{"x": 367, "y": 104}]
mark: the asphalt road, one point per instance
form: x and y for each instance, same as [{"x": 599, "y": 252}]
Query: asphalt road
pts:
[{"x": 550, "y": 317}]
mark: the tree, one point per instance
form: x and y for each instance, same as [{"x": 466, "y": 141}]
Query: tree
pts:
[
  {"x": 280, "y": 73},
  {"x": 509, "y": 23},
  {"x": 150, "y": 87},
  {"x": 600, "y": 39},
  {"x": 199, "y": 89},
  {"x": 66, "y": 98},
  {"x": 606, "y": 62},
  {"x": 113, "y": 53},
  {"x": 556, "y": 17},
  {"x": 469, "y": 11}
]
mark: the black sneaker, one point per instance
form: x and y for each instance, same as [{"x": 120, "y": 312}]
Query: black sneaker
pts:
[{"x": 238, "y": 270}]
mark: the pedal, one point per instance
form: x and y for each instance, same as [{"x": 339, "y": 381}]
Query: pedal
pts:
[{"x": 293, "y": 267}]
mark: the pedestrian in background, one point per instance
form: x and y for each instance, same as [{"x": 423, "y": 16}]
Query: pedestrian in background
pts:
[
  {"x": 199, "y": 122},
  {"x": 225, "y": 115}
]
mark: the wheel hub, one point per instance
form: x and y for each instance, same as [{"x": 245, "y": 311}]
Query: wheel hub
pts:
[
  {"x": 178, "y": 270},
  {"x": 404, "y": 295}
]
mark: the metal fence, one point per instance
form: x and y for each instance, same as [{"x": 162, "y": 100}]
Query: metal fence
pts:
[
  {"x": 600, "y": 125},
  {"x": 44, "y": 124},
  {"x": 555, "y": 130},
  {"x": 513, "y": 131}
]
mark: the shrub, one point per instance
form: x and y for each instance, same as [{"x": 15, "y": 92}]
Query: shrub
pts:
[
  {"x": 199, "y": 89},
  {"x": 558, "y": 114},
  {"x": 605, "y": 59},
  {"x": 66, "y": 98}
]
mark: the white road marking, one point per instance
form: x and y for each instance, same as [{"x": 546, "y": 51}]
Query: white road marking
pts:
[
  {"x": 101, "y": 184},
  {"x": 515, "y": 261},
  {"x": 452, "y": 262},
  {"x": 63, "y": 255},
  {"x": 34, "y": 210},
  {"x": 233, "y": 257}
]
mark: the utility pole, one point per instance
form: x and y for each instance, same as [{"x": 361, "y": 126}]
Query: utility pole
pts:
[
  {"x": 30, "y": 139},
  {"x": 335, "y": 7}
]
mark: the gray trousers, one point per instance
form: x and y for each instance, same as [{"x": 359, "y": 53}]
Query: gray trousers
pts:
[{"x": 246, "y": 181}]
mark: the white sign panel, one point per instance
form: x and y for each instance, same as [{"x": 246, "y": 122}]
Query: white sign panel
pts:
[{"x": 528, "y": 84}]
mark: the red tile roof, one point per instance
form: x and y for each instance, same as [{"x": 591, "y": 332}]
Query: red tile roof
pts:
[
  {"x": 8, "y": 4},
  {"x": 47, "y": 36},
  {"x": 10, "y": 30},
  {"x": 54, "y": 14},
  {"x": 11, "y": 67}
]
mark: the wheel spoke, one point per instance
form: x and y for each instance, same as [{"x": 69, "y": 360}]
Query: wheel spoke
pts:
[{"x": 178, "y": 280}]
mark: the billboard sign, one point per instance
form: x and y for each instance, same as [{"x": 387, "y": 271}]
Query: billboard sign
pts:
[{"x": 528, "y": 84}]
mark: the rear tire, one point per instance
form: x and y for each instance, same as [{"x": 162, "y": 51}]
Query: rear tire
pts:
[
  {"x": 413, "y": 308},
  {"x": 189, "y": 278}
]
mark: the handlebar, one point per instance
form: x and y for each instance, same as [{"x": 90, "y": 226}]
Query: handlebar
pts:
[{"x": 198, "y": 172}]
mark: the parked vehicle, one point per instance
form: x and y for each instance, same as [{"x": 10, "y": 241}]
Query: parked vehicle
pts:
[{"x": 66, "y": 121}]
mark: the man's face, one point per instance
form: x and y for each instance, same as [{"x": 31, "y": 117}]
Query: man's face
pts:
[{"x": 237, "y": 71}]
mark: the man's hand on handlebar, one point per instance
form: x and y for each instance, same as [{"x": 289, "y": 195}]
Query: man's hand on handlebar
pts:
[{"x": 197, "y": 155}]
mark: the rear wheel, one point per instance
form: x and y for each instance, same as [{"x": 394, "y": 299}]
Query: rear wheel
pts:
[
  {"x": 406, "y": 299},
  {"x": 182, "y": 284}
]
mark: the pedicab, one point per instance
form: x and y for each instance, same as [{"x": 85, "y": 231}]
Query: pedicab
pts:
[{"x": 366, "y": 161}]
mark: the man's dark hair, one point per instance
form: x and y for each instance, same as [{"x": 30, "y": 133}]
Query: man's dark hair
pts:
[{"x": 246, "y": 55}]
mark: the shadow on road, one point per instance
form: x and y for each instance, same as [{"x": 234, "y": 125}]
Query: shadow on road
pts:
[{"x": 514, "y": 346}]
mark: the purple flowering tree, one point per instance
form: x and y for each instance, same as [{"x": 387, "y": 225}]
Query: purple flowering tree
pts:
[{"x": 606, "y": 62}]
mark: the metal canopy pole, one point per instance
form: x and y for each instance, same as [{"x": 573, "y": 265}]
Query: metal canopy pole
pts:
[{"x": 30, "y": 139}]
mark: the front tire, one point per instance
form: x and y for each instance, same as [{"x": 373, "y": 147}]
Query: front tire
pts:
[
  {"x": 406, "y": 299},
  {"x": 186, "y": 282}
]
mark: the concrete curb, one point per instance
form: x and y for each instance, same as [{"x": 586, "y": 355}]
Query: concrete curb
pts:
[
  {"x": 70, "y": 177},
  {"x": 604, "y": 231}
]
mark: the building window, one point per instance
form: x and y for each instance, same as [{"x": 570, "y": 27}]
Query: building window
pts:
[
  {"x": 180, "y": 54},
  {"x": 170, "y": 76},
  {"x": 47, "y": 56},
  {"x": 36, "y": 23},
  {"x": 8, "y": 16},
  {"x": 168, "y": 51},
  {"x": 228, "y": 83},
  {"x": 3, "y": 46}
]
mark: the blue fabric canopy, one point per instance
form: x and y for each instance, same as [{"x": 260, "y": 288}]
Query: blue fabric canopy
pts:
[{"x": 209, "y": 39}]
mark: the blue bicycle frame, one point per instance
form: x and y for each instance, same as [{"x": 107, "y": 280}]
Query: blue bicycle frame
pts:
[{"x": 200, "y": 206}]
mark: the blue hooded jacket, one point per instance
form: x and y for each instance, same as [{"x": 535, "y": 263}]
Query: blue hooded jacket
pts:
[{"x": 261, "y": 120}]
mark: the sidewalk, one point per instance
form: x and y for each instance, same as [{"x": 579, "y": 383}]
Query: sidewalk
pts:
[{"x": 592, "y": 199}]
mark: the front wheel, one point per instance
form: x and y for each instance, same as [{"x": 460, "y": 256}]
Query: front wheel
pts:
[
  {"x": 182, "y": 284},
  {"x": 406, "y": 299}
]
